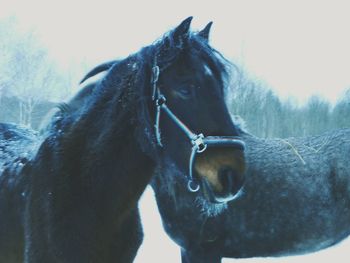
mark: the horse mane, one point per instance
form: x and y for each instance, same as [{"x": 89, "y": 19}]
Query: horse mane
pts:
[
  {"x": 196, "y": 45},
  {"x": 127, "y": 86},
  {"x": 198, "y": 48}
]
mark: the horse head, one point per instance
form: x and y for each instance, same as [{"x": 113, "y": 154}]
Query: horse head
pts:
[
  {"x": 193, "y": 123},
  {"x": 186, "y": 110}
]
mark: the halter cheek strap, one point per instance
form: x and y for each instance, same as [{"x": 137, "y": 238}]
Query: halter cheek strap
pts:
[
  {"x": 196, "y": 140},
  {"x": 199, "y": 141}
]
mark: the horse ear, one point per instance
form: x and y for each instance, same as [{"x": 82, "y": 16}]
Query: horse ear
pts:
[
  {"x": 204, "y": 33},
  {"x": 181, "y": 31}
]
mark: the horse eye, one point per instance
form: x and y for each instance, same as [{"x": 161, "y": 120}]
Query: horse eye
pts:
[{"x": 185, "y": 92}]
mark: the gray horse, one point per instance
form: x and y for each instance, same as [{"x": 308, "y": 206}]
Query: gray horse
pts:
[{"x": 296, "y": 200}]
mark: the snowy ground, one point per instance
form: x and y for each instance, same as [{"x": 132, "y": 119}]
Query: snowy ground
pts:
[{"x": 157, "y": 247}]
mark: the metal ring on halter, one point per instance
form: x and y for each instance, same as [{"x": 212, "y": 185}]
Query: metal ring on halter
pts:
[
  {"x": 201, "y": 148},
  {"x": 160, "y": 101},
  {"x": 192, "y": 186}
]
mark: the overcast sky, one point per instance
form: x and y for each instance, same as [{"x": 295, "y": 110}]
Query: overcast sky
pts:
[{"x": 298, "y": 48}]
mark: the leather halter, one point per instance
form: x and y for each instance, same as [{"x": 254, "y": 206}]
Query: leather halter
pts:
[{"x": 199, "y": 141}]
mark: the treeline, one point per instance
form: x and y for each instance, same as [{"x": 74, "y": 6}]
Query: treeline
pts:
[
  {"x": 266, "y": 115},
  {"x": 11, "y": 112},
  {"x": 30, "y": 80}
]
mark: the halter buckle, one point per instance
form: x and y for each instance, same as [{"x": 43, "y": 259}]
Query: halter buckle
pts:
[{"x": 198, "y": 143}]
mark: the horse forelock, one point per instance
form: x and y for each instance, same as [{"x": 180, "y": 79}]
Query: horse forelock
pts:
[{"x": 203, "y": 57}]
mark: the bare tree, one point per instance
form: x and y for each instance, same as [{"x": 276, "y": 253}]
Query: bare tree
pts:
[{"x": 27, "y": 71}]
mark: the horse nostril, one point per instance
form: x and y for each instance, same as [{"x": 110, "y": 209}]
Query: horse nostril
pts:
[{"x": 226, "y": 177}]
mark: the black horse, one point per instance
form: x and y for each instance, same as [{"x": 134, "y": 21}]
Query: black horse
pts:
[
  {"x": 296, "y": 200},
  {"x": 70, "y": 193}
]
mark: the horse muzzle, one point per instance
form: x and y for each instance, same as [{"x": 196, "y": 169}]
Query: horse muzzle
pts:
[{"x": 220, "y": 169}]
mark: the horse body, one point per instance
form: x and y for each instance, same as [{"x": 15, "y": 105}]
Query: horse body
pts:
[
  {"x": 76, "y": 209},
  {"x": 16, "y": 145},
  {"x": 70, "y": 193},
  {"x": 296, "y": 200}
]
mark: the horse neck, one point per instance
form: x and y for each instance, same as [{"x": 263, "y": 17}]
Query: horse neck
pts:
[{"x": 97, "y": 155}]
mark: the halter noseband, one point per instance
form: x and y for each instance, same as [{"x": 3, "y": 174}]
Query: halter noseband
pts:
[{"x": 199, "y": 141}]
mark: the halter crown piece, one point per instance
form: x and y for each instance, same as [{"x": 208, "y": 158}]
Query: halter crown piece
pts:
[{"x": 199, "y": 141}]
